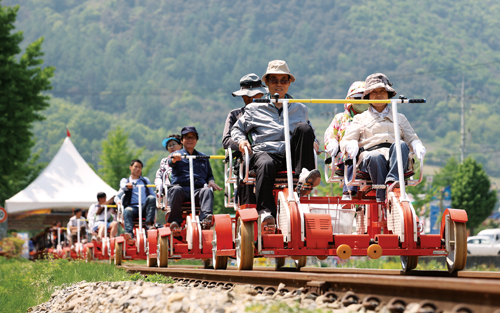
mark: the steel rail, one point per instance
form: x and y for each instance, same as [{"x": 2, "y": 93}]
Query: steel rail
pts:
[{"x": 478, "y": 294}]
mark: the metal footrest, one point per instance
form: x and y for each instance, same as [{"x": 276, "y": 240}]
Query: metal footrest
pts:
[{"x": 379, "y": 186}]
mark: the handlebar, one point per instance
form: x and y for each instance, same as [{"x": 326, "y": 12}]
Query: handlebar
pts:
[
  {"x": 403, "y": 100},
  {"x": 215, "y": 157}
]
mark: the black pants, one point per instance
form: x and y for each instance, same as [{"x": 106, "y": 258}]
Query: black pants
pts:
[
  {"x": 267, "y": 165},
  {"x": 178, "y": 194}
]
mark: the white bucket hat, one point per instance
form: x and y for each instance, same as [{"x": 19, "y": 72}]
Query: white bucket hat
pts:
[
  {"x": 278, "y": 67},
  {"x": 250, "y": 85}
]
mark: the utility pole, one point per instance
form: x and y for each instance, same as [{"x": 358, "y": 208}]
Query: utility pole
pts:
[
  {"x": 462, "y": 119},
  {"x": 462, "y": 130}
]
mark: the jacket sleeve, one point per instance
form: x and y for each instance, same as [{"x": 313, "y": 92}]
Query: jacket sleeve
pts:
[
  {"x": 353, "y": 132},
  {"x": 123, "y": 183},
  {"x": 409, "y": 134},
  {"x": 241, "y": 127},
  {"x": 227, "y": 141},
  {"x": 210, "y": 175}
]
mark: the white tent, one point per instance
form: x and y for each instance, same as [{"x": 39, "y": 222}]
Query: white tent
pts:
[{"x": 67, "y": 182}]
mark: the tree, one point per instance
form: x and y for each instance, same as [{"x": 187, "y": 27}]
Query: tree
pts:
[
  {"x": 445, "y": 176},
  {"x": 218, "y": 171},
  {"x": 471, "y": 191},
  {"x": 21, "y": 84},
  {"x": 116, "y": 156}
]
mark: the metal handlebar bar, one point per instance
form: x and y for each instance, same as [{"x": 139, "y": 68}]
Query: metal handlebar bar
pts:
[{"x": 340, "y": 101}]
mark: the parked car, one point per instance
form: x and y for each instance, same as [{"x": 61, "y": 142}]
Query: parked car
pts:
[
  {"x": 494, "y": 234},
  {"x": 482, "y": 245}
]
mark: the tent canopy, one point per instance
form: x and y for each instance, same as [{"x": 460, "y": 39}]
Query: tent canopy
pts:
[{"x": 67, "y": 182}]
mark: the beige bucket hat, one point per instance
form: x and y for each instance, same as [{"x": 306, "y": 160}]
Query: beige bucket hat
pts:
[
  {"x": 378, "y": 80},
  {"x": 278, "y": 67}
]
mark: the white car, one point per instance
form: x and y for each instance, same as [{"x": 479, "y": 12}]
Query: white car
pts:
[{"x": 482, "y": 245}]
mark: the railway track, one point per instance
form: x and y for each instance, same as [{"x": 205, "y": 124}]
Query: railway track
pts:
[{"x": 434, "y": 291}]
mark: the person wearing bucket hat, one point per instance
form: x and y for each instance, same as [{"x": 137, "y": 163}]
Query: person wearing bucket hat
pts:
[
  {"x": 251, "y": 87},
  {"x": 373, "y": 130},
  {"x": 171, "y": 143},
  {"x": 338, "y": 126},
  {"x": 263, "y": 124},
  {"x": 180, "y": 180}
]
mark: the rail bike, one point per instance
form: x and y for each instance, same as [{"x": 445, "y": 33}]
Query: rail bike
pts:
[
  {"x": 64, "y": 252},
  {"x": 322, "y": 226},
  {"x": 160, "y": 244},
  {"x": 101, "y": 249}
]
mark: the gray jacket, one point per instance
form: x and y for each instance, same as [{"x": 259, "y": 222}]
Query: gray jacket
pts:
[{"x": 266, "y": 127}]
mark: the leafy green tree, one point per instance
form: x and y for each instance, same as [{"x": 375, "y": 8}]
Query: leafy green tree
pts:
[
  {"x": 116, "y": 156},
  {"x": 218, "y": 171},
  {"x": 471, "y": 191},
  {"x": 446, "y": 175},
  {"x": 21, "y": 84}
]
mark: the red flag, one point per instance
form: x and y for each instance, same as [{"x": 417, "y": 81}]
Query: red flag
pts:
[{"x": 67, "y": 133}]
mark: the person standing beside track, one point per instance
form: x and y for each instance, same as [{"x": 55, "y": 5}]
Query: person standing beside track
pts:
[
  {"x": 130, "y": 188},
  {"x": 264, "y": 123},
  {"x": 251, "y": 87},
  {"x": 180, "y": 190},
  {"x": 373, "y": 130}
]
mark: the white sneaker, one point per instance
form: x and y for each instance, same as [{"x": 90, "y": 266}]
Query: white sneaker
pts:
[{"x": 346, "y": 197}]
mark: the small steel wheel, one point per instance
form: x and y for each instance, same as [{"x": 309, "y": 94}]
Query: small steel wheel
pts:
[
  {"x": 244, "y": 245},
  {"x": 150, "y": 261},
  {"x": 300, "y": 262},
  {"x": 162, "y": 252},
  {"x": 279, "y": 262},
  {"x": 218, "y": 262},
  {"x": 409, "y": 262},
  {"x": 118, "y": 253},
  {"x": 456, "y": 245}
]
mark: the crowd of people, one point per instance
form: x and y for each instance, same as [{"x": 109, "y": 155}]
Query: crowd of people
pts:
[{"x": 362, "y": 131}]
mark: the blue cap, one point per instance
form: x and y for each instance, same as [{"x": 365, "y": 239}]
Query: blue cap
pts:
[
  {"x": 166, "y": 140},
  {"x": 188, "y": 129}
]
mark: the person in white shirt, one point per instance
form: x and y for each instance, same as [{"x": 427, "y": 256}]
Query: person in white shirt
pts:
[
  {"x": 96, "y": 218},
  {"x": 73, "y": 226}
]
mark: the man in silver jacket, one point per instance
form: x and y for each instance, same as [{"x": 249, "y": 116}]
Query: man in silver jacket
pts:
[{"x": 263, "y": 125}]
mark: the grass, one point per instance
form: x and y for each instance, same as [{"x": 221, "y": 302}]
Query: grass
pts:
[{"x": 24, "y": 284}]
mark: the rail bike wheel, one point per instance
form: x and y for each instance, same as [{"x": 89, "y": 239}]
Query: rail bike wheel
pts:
[
  {"x": 206, "y": 264},
  {"x": 409, "y": 262},
  {"x": 244, "y": 245},
  {"x": 218, "y": 262},
  {"x": 150, "y": 261},
  {"x": 118, "y": 253},
  {"x": 89, "y": 255},
  {"x": 456, "y": 245},
  {"x": 300, "y": 262},
  {"x": 162, "y": 252},
  {"x": 279, "y": 262}
]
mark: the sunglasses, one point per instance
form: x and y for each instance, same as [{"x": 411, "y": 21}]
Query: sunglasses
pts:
[{"x": 276, "y": 81}]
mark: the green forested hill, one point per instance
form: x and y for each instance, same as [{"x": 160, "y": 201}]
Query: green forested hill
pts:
[{"x": 155, "y": 66}]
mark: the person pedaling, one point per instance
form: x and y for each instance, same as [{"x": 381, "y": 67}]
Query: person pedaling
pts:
[
  {"x": 129, "y": 190},
  {"x": 251, "y": 87},
  {"x": 336, "y": 131},
  {"x": 180, "y": 190},
  {"x": 370, "y": 137},
  {"x": 263, "y": 124},
  {"x": 172, "y": 143}
]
